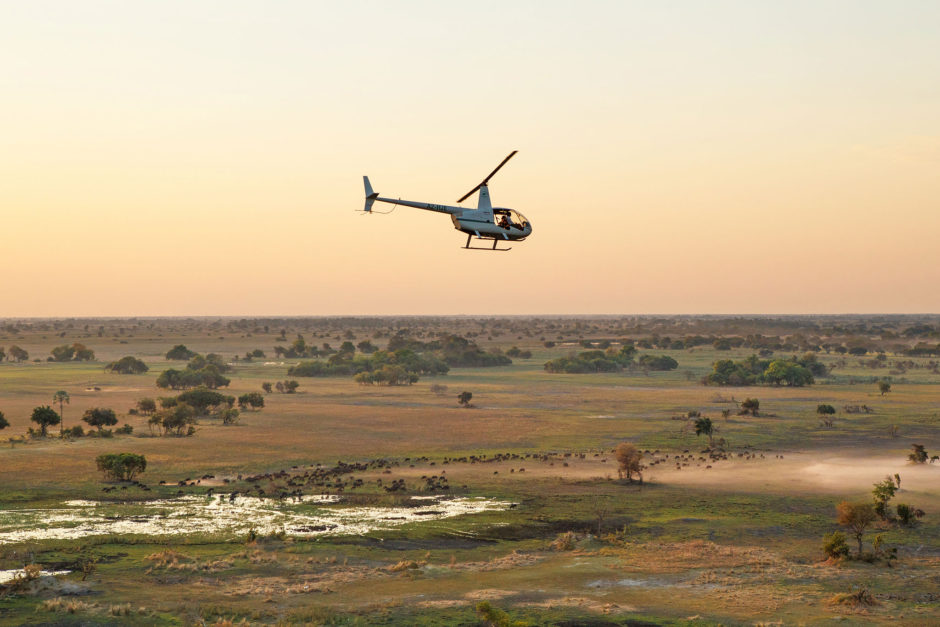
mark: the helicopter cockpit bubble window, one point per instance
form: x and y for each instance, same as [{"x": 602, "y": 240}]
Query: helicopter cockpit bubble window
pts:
[{"x": 509, "y": 218}]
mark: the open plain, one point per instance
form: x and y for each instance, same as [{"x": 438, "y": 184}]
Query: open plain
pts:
[{"x": 345, "y": 503}]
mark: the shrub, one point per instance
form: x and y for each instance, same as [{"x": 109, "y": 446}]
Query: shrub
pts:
[
  {"x": 907, "y": 515},
  {"x": 835, "y": 545},
  {"x": 918, "y": 454},
  {"x": 74, "y": 432},
  {"x": 125, "y": 430},
  {"x": 438, "y": 388},
  {"x": 229, "y": 416},
  {"x": 750, "y": 406}
]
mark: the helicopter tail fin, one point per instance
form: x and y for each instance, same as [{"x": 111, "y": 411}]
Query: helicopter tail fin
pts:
[{"x": 370, "y": 195}]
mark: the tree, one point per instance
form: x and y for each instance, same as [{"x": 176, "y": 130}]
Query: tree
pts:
[
  {"x": 177, "y": 418},
  {"x": 266, "y": 386},
  {"x": 180, "y": 353},
  {"x": 750, "y": 406},
  {"x": 660, "y": 363},
  {"x": 62, "y": 398},
  {"x": 146, "y": 406},
  {"x": 63, "y": 353},
  {"x": 127, "y": 365},
  {"x": 791, "y": 373},
  {"x": 918, "y": 454},
  {"x": 3, "y": 422},
  {"x": 290, "y": 386},
  {"x": 629, "y": 458},
  {"x": 703, "y": 426},
  {"x": 121, "y": 466},
  {"x": 825, "y": 413},
  {"x": 82, "y": 353},
  {"x": 17, "y": 354},
  {"x": 229, "y": 416},
  {"x": 202, "y": 399},
  {"x": 884, "y": 387},
  {"x": 857, "y": 517},
  {"x": 45, "y": 417},
  {"x": 464, "y": 398},
  {"x": 252, "y": 399},
  {"x": 100, "y": 417},
  {"x": 882, "y": 493},
  {"x": 75, "y": 352}
]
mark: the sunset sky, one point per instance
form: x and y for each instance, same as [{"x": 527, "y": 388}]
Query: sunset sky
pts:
[{"x": 206, "y": 158}]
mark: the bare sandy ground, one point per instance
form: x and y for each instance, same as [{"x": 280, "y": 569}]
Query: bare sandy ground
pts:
[{"x": 837, "y": 472}]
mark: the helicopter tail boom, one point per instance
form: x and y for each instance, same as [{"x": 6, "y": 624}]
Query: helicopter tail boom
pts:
[{"x": 370, "y": 195}]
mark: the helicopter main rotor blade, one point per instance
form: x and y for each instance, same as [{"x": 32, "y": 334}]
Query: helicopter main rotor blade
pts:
[{"x": 502, "y": 163}]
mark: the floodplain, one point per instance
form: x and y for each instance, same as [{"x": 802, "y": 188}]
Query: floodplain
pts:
[{"x": 351, "y": 503}]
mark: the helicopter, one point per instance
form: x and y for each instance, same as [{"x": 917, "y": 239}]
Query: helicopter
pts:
[{"x": 486, "y": 222}]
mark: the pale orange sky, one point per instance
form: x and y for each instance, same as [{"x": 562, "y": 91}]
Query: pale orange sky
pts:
[{"x": 205, "y": 158}]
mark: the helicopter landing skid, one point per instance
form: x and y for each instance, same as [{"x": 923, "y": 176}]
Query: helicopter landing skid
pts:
[{"x": 467, "y": 246}]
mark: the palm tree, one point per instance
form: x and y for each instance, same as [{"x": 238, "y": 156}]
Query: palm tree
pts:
[{"x": 62, "y": 398}]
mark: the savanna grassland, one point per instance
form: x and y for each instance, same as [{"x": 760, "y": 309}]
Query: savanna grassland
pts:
[{"x": 725, "y": 528}]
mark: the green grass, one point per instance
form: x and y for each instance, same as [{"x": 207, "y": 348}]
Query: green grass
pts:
[{"x": 662, "y": 532}]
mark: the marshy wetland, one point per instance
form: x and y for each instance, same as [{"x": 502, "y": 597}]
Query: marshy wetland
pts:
[{"x": 345, "y": 502}]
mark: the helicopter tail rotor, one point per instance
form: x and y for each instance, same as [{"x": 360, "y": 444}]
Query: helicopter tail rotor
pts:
[
  {"x": 486, "y": 180},
  {"x": 370, "y": 195}
]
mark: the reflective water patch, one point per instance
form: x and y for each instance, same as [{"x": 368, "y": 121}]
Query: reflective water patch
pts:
[{"x": 303, "y": 516}]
